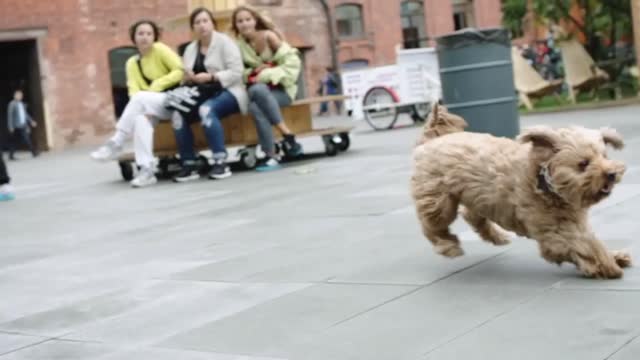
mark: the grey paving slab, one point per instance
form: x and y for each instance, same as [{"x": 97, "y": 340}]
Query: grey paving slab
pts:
[
  {"x": 341, "y": 258},
  {"x": 271, "y": 327},
  {"x": 412, "y": 325},
  {"x": 170, "y": 354},
  {"x": 182, "y": 307},
  {"x": 321, "y": 260},
  {"x": 555, "y": 325},
  {"x": 10, "y": 342},
  {"x": 630, "y": 351},
  {"x": 61, "y": 320},
  {"x": 59, "y": 350}
]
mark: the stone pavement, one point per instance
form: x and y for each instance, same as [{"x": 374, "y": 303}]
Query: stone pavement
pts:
[{"x": 321, "y": 260}]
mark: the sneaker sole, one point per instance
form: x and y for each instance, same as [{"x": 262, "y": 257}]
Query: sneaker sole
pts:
[
  {"x": 221, "y": 176},
  {"x": 187, "y": 179},
  {"x": 107, "y": 159},
  {"x": 268, "y": 168},
  {"x": 152, "y": 182}
]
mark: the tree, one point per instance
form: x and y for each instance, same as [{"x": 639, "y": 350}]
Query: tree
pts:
[
  {"x": 513, "y": 12},
  {"x": 600, "y": 20}
]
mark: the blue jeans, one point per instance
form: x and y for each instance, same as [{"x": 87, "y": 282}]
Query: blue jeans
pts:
[
  {"x": 264, "y": 105},
  {"x": 211, "y": 112}
]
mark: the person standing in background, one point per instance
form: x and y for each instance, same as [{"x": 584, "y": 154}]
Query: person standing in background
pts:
[
  {"x": 330, "y": 87},
  {"x": 19, "y": 123}
]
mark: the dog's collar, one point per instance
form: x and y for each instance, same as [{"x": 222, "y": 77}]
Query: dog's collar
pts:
[{"x": 544, "y": 180}]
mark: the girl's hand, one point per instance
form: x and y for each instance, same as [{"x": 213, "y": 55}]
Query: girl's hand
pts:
[
  {"x": 202, "y": 78},
  {"x": 188, "y": 76},
  {"x": 260, "y": 68}
]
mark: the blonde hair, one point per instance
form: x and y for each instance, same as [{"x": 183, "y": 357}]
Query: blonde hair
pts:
[{"x": 262, "y": 21}]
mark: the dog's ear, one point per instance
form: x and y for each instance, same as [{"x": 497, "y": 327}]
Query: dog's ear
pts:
[
  {"x": 435, "y": 112},
  {"x": 611, "y": 137},
  {"x": 545, "y": 141},
  {"x": 440, "y": 116},
  {"x": 541, "y": 136}
]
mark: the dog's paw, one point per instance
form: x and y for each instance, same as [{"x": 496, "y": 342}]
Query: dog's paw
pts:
[
  {"x": 623, "y": 258},
  {"x": 501, "y": 240},
  {"x": 449, "y": 250},
  {"x": 612, "y": 271}
]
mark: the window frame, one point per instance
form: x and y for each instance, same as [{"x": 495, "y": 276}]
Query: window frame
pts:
[{"x": 361, "y": 33}]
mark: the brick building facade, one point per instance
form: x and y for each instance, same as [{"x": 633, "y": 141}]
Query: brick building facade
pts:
[
  {"x": 58, "y": 52},
  {"x": 58, "y": 49},
  {"x": 370, "y": 30},
  {"x": 67, "y": 43}
]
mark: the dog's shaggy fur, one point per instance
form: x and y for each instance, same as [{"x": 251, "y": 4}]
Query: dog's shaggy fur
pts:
[{"x": 540, "y": 186}]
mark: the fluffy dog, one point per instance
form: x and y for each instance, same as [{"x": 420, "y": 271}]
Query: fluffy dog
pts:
[{"x": 540, "y": 186}]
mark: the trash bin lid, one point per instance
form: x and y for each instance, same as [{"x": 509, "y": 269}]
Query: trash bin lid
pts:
[{"x": 472, "y": 36}]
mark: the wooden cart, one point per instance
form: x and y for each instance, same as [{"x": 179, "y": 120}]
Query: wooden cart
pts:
[{"x": 240, "y": 131}]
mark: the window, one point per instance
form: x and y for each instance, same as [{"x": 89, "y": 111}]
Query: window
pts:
[
  {"x": 462, "y": 14},
  {"x": 354, "y": 64},
  {"x": 349, "y": 20},
  {"x": 412, "y": 14}
]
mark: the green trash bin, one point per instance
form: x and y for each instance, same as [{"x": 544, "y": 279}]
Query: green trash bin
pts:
[{"x": 477, "y": 80}]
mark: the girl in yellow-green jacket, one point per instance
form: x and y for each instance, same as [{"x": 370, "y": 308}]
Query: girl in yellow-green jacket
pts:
[{"x": 272, "y": 68}]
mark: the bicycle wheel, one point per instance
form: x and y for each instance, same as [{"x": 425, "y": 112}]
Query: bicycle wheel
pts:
[{"x": 379, "y": 108}]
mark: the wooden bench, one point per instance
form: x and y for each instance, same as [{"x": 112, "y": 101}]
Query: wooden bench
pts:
[{"x": 240, "y": 131}]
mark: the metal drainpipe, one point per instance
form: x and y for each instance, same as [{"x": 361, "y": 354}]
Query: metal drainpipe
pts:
[{"x": 332, "y": 35}]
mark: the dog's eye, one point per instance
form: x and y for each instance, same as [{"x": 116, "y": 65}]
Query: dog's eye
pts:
[{"x": 583, "y": 164}]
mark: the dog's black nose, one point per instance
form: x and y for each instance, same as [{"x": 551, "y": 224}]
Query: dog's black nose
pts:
[{"x": 611, "y": 177}]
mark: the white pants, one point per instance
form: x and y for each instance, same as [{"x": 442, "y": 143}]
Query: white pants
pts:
[{"x": 144, "y": 109}]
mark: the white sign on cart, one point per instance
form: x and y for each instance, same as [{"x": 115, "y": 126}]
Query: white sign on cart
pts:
[{"x": 414, "y": 79}]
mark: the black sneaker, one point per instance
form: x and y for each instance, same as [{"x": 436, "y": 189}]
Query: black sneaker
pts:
[
  {"x": 292, "y": 148},
  {"x": 219, "y": 170},
  {"x": 187, "y": 173}
]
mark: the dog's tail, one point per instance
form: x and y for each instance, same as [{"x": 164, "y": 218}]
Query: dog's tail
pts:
[{"x": 439, "y": 123}]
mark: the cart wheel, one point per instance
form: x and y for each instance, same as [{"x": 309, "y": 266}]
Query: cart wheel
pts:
[
  {"x": 330, "y": 147},
  {"x": 379, "y": 107},
  {"x": 248, "y": 158},
  {"x": 345, "y": 142},
  {"x": 163, "y": 168},
  {"x": 126, "y": 169},
  {"x": 203, "y": 164}
]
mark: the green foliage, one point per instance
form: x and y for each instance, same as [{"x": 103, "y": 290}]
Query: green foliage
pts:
[
  {"x": 512, "y": 13},
  {"x": 609, "y": 19}
]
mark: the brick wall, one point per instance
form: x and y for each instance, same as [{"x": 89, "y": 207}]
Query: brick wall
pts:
[
  {"x": 488, "y": 13},
  {"x": 79, "y": 34},
  {"x": 383, "y": 28},
  {"x": 306, "y": 20},
  {"x": 76, "y": 79}
]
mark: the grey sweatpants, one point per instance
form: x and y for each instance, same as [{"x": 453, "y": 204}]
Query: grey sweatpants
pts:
[{"x": 264, "y": 105}]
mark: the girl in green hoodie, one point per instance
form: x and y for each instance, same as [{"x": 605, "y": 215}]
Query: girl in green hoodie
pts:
[{"x": 272, "y": 68}]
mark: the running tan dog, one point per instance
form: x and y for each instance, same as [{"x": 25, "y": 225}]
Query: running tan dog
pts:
[{"x": 540, "y": 186}]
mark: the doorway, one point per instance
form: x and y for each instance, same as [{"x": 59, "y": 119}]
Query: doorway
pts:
[{"x": 21, "y": 70}]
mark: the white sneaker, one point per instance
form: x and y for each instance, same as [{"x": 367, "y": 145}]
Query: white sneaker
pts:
[
  {"x": 145, "y": 177},
  {"x": 107, "y": 152}
]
